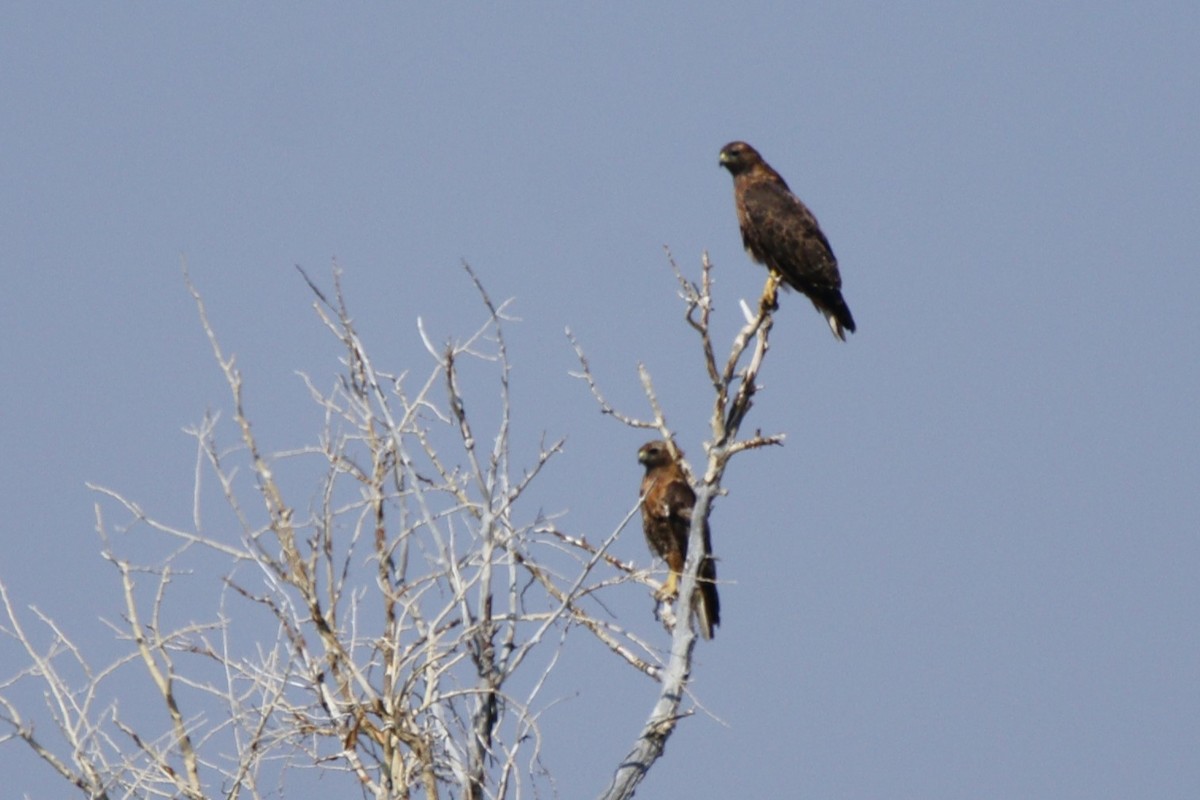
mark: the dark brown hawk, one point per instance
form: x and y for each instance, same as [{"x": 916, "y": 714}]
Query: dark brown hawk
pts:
[
  {"x": 667, "y": 502},
  {"x": 779, "y": 231}
]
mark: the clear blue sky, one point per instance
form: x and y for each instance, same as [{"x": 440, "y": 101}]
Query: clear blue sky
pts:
[{"x": 974, "y": 570}]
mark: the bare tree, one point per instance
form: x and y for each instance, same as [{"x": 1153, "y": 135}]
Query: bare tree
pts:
[{"x": 417, "y": 608}]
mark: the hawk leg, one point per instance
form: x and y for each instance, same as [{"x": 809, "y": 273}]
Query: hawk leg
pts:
[
  {"x": 770, "y": 295},
  {"x": 670, "y": 589}
]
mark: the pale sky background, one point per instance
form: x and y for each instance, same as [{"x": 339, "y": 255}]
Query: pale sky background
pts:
[{"x": 974, "y": 570}]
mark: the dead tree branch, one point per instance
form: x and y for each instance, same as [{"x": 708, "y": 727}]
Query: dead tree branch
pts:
[{"x": 734, "y": 383}]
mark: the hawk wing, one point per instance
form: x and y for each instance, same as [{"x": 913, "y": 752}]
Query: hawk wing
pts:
[{"x": 778, "y": 230}]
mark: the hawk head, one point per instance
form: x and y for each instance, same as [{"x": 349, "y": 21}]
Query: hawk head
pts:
[
  {"x": 738, "y": 157},
  {"x": 655, "y": 454}
]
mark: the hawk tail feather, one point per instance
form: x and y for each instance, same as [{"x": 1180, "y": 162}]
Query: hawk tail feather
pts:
[
  {"x": 708, "y": 610},
  {"x": 837, "y": 314}
]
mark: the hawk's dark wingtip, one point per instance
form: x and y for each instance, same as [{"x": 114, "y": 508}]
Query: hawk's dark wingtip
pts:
[{"x": 708, "y": 609}]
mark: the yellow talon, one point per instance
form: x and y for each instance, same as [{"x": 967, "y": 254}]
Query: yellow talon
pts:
[
  {"x": 670, "y": 589},
  {"x": 770, "y": 301}
]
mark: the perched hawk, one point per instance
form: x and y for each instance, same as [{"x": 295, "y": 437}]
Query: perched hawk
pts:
[
  {"x": 667, "y": 502},
  {"x": 779, "y": 231}
]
